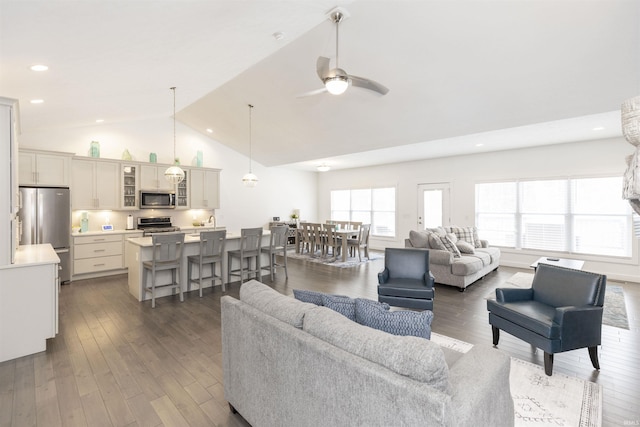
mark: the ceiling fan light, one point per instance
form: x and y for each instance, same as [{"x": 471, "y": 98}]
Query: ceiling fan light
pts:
[
  {"x": 174, "y": 174},
  {"x": 250, "y": 180},
  {"x": 336, "y": 85}
]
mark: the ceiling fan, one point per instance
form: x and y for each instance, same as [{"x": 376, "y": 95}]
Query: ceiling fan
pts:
[{"x": 336, "y": 80}]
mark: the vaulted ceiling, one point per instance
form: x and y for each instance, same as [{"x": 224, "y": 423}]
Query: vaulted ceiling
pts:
[{"x": 509, "y": 73}]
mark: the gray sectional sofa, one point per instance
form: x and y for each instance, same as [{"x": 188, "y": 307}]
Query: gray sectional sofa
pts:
[
  {"x": 471, "y": 259},
  {"x": 292, "y": 363}
]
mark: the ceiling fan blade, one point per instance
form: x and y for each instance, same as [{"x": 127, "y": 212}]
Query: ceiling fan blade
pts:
[
  {"x": 322, "y": 67},
  {"x": 312, "y": 92},
  {"x": 368, "y": 84}
]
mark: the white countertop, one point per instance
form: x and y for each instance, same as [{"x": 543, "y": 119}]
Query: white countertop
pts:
[
  {"x": 188, "y": 238},
  {"x": 123, "y": 231},
  {"x": 35, "y": 255}
]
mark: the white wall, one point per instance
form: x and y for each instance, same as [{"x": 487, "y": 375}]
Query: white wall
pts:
[
  {"x": 588, "y": 158},
  {"x": 278, "y": 192}
]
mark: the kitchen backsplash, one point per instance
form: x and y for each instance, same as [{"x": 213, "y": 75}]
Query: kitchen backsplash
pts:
[{"x": 179, "y": 217}]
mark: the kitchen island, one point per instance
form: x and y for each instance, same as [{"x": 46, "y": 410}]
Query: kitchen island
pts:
[
  {"x": 139, "y": 249},
  {"x": 28, "y": 301}
]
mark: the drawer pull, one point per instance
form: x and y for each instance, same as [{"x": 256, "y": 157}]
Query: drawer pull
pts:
[
  {"x": 98, "y": 240},
  {"x": 98, "y": 265},
  {"x": 99, "y": 250}
]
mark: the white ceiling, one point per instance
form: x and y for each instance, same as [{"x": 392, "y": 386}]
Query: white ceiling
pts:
[{"x": 509, "y": 73}]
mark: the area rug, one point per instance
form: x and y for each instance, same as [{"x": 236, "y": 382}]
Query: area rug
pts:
[
  {"x": 615, "y": 310},
  {"x": 558, "y": 400},
  {"x": 333, "y": 262}
]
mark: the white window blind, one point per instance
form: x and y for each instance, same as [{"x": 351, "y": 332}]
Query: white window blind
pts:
[
  {"x": 375, "y": 206},
  {"x": 579, "y": 215}
]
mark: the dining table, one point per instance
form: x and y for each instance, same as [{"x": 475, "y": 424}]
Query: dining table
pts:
[{"x": 343, "y": 234}]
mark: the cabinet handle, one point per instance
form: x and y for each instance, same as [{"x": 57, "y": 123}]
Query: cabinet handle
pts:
[
  {"x": 99, "y": 240},
  {"x": 98, "y": 265},
  {"x": 99, "y": 250}
]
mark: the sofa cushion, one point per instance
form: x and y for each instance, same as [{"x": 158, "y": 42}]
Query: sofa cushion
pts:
[
  {"x": 343, "y": 305},
  {"x": 465, "y": 247},
  {"x": 466, "y": 265},
  {"x": 413, "y": 357},
  {"x": 494, "y": 253},
  {"x": 404, "y": 322},
  {"x": 419, "y": 239},
  {"x": 273, "y": 303},
  {"x": 436, "y": 243},
  {"x": 483, "y": 256}
]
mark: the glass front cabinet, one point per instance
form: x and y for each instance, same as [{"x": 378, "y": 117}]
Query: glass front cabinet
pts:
[
  {"x": 182, "y": 191},
  {"x": 130, "y": 182}
]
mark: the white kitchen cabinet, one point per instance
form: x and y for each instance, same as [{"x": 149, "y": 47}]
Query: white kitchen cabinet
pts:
[
  {"x": 43, "y": 168},
  {"x": 130, "y": 186},
  {"x": 205, "y": 188},
  {"x": 95, "y": 184},
  {"x": 8, "y": 180},
  {"x": 28, "y": 301},
  {"x": 152, "y": 178},
  {"x": 182, "y": 191},
  {"x": 96, "y": 253}
]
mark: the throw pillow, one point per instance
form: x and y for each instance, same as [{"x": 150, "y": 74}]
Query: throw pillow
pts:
[
  {"x": 308, "y": 296},
  {"x": 463, "y": 233},
  {"x": 419, "y": 239},
  {"x": 405, "y": 322},
  {"x": 450, "y": 246},
  {"x": 465, "y": 247},
  {"x": 476, "y": 239},
  {"x": 343, "y": 305},
  {"x": 452, "y": 237},
  {"x": 436, "y": 243}
]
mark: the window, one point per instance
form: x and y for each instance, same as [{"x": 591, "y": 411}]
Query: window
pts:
[
  {"x": 585, "y": 215},
  {"x": 375, "y": 206}
]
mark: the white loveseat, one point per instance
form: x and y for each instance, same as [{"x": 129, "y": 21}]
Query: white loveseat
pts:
[{"x": 471, "y": 259}]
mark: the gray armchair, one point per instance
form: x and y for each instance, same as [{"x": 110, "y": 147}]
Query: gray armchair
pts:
[
  {"x": 406, "y": 280},
  {"x": 561, "y": 311}
]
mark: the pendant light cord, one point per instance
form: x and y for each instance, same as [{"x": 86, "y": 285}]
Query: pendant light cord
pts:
[
  {"x": 250, "y": 108},
  {"x": 174, "y": 124}
]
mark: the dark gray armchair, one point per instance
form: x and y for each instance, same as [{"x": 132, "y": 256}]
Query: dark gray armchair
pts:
[
  {"x": 561, "y": 311},
  {"x": 406, "y": 280}
]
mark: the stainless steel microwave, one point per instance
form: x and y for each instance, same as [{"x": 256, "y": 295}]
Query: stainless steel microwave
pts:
[{"x": 150, "y": 199}]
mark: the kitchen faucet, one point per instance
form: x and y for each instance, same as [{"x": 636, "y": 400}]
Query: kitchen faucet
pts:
[{"x": 212, "y": 219}]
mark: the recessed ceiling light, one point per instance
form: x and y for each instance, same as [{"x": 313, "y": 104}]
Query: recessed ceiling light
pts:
[
  {"x": 598, "y": 128},
  {"x": 37, "y": 101},
  {"x": 480, "y": 144},
  {"x": 39, "y": 67},
  {"x": 323, "y": 168},
  {"x": 278, "y": 35},
  {"x": 209, "y": 130},
  {"x": 99, "y": 120}
]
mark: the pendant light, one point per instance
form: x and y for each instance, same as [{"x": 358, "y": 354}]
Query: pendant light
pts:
[
  {"x": 174, "y": 174},
  {"x": 250, "y": 180}
]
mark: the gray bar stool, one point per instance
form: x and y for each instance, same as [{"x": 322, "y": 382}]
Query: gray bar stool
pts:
[
  {"x": 211, "y": 253},
  {"x": 167, "y": 255},
  {"x": 250, "y": 241},
  {"x": 277, "y": 246}
]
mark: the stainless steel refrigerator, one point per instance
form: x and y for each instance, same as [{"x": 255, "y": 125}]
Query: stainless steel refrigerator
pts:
[{"x": 45, "y": 217}]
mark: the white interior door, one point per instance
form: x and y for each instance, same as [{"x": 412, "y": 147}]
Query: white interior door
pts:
[{"x": 433, "y": 205}]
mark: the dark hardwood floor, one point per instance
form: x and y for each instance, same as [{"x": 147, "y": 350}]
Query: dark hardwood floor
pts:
[{"x": 117, "y": 362}]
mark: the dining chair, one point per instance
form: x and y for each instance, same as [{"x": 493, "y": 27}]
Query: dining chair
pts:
[
  {"x": 361, "y": 242},
  {"x": 167, "y": 256},
  {"x": 277, "y": 246},
  {"x": 305, "y": 237},
  {"x": 211, "y": 252},
  {"x": 318, "y": 238},
  {"x": 250, "y": 241},
  {"x": 331, "y": 240}
]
